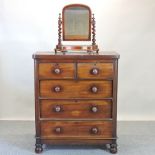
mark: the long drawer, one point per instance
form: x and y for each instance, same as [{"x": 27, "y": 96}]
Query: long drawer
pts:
[
  {"x": 75, "y": 89},
  {"x": 76, "y": 109},
  {"x": 76, "y": 129}
]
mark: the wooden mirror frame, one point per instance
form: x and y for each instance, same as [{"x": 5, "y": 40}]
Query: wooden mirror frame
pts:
[
  {"x": 89, "y": 20},
  {"x": 92, "y": 34}
]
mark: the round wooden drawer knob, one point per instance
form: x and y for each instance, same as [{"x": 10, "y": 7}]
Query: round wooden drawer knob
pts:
[
  {"x": 94, "y": 89},
  {"x": 57, "y": 71},
  {"x": 58, "y": 130},
  {"x": 94, "y": 71},
  {"x": 57, "y": 108},
  {"x": 57, "y": 89},
  {"x": 94, "y": 130},
  {"x": 94, "y": 109}
]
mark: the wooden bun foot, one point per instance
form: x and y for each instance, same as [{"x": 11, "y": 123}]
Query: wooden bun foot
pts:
[
  {"x": 38, "y": 148},
  {"x": 113, "y": 148}
]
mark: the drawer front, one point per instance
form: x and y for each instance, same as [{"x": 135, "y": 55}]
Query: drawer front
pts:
[
  {"x": 76, "y": 109},
  {"x": 95, "y": 70},
  {"x": 76, "y": 129},
  {"x": 56, "y": 70},
  {"x": 75, "y": 89}
]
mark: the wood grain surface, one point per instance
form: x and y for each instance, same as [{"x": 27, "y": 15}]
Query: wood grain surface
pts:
[
  {"x": 71, "y": 109},
  {"x": 75, "y": 89}
]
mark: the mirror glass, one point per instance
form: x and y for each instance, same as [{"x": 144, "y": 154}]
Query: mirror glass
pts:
[{"x": 76, "y": 23}]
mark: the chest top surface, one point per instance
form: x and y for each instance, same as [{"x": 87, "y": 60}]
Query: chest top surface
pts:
[{"x": 76, "y": 55}]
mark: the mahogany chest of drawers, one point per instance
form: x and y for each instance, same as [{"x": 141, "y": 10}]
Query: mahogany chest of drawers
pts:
[{"x": 76, "y": 98}]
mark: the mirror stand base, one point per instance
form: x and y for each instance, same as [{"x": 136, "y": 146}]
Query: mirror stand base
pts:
[{"x": 88, "y": 48}]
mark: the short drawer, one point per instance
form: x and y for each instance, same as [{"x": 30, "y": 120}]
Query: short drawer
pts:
[
  {"x": 95, "y": 70},
  {"x": 76, "y": 129},
  {"x": 70, "y": 109},
  {"x": 75, "y": 89},
  {"x": 56, "y": 70}
]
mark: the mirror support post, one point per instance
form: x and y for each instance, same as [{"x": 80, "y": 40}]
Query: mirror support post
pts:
[
  {"x": 59, "y": 32},
  {"x": 93, "y": 30},
  {"x": 94, "y": 46},
  {"x": 59, "y": 45}
]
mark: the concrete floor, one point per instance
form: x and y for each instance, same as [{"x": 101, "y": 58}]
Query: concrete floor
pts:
[{"x": 135, "y": 138}]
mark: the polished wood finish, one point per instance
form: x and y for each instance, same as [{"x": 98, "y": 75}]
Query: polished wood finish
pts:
[
  {"x": 75, "y": 109},
  {"x": 93, "y": 31},
  {"x": 56, "y": 70},
  {"x": 76, "y": 98},
  {"x": 59, "y": 31},
  {"x": 75, "y": 89},
  {"x": 103, "y": 70},
  {"x": 76, "y": 56},
  {"x": 78, "y": 141},
  {"x": 76, "y": 129},
  {"x": 87, "y": 48}
]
